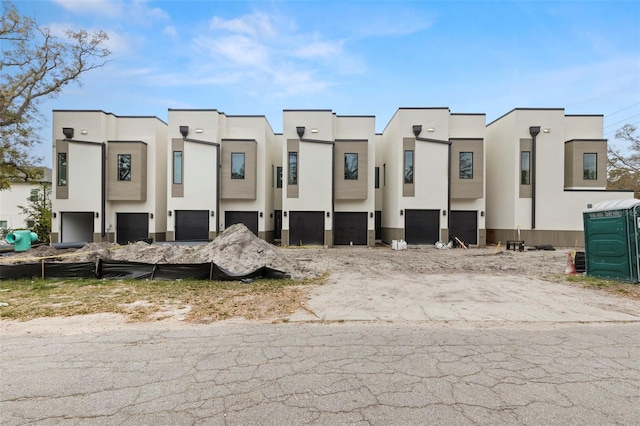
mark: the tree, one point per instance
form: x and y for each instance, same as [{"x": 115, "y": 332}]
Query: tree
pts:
[
  {"x": 35, "y": 66},
  {"x": 624, "y": 169},
  {"x": 38, "y": 211}
]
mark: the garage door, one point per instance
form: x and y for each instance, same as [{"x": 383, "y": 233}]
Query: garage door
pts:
[
  {"x": 464, "y": 225},
  {"x": 249, "y": 219},
  {"x": 350, "y": 228},
  {"x": 421, "y": 226},
  {"x": 76, "y": 227},
  {"x": 306, "y": 228},
  {"x": 131, "y": 227},
  {"x": 192, "y": 225}
]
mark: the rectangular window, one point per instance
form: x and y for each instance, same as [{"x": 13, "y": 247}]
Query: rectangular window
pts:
[
  {"x": 408, "y": 167},
  {"x": 177, "y": 167},
  {"x": 237, "y": 165},
  {"x": 3, "y": 224},
  {"x": 62, "y": 169},
  {"x": 351, "y": 166},
  {"x": 293, "y": 168},
  {"x": 466, "y": 165},
  {"x": 384, "y": 174},
  {"x": 525, "y": 168},
  {"x": 124, "y": 167},
  {"x": 590, "y": 166},
  {"x": 377, "y": 177},
  {"x": 278, "y": 177},
  {"x": 34, "y": 195}
]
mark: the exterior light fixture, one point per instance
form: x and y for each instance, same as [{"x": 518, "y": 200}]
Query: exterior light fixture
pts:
[
  {"x": 83, "y": 131},
  {"x": 55, "y": 215},
  {"x": 546, "y": 130},
  {"x": 444, "y": 212},
  {"x": 314, "y": 130},
  {"x": 199, "y": 130},
  {"x": 300, "y": 131},
  {"x": 328, "y": 214},
  {"x": 370, "y": 214},
  {"x": 212, "y": 214},
  {"x": 150, "y": 215},
  {"x": 261, "y": 214},
  {"x": 184, "y": 131},
  {"x": 431, "y": 129},
  {"x": 169, "y": 214},
  {"x": 67, "y": 132},
  {"x": 482, "y": 213},
  {"x": 285, "y": 214},
  {"x": 401, "y": 212},
  {"x": 417, "y": 129},
  {"x": 97, "y": 214}
]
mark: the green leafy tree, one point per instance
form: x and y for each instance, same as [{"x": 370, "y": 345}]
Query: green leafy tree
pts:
[
  {"x": 38, "y": 211},
  {"x": 624, "y": 166},
  {"x": 35, "y": 65}
]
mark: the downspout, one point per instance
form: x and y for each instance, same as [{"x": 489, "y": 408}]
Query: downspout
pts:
[
  {"x": 103, "y": 219},
  {"x": 533, "y": 131}
]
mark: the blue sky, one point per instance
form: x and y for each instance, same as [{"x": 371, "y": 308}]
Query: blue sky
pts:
[{"x": 354, "y": 57}]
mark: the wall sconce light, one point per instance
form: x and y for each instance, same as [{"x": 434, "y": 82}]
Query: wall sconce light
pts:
[
  {"x": 97, "y": 215},
  {"x": 546, "y": 130},
  {"x": 444, "y": 212},
  {"x": 67, "y": 132},
  {"x": 212, "y": 213},
  {"x": 285, "y": 214},
  {"x": 83, "y": 131},
  {"x": 56, "y": 215},
  {"x": 150, "y": 215},
  {"x": 300, "y": 131},
  {"x": 370, "y": 214},
  {"x": 314, "y": 130},
  {"x": 417, "y": 129},
  {"x": 328, "y": 214},
  {"x": 169, "y": 213},
  {"x": 431, "y": 129},
  {"x": 260, "y": 214},
  {"x": 271, "y": 215},
  {"x": 589, "y": 206},
  {"x": 184, "y": 131},
  {"x": 401, "y": 212},
  {"x": 482, "y": 213},
  {"x": 199, "y": 130}
]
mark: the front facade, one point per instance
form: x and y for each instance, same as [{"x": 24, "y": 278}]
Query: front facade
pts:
[
  {"x": 329, "y": 180},
  {"x": 109, "y": 179},
  {"x": 544, "y": 168}
]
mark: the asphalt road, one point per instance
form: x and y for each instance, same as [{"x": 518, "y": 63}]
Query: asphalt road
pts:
[{"x": 324, "y": 373}]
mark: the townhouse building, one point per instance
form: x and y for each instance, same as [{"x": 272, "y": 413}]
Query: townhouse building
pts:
[
  {"x": 433, "y": 177},
  {"x": 109, "y": 177},
  {"x": 544, "y": 168},
  {"x": 222, "y": 172},
  {"x": 328, "y": 179},
  {"x": 328, "y": 196}
]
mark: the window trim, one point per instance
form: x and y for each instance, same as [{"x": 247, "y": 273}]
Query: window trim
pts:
[
  {"x": 522, "y": 169},
  {"x": 595, "y": 166},
  {"x": 460, "y": 174},
  {"x": 347, "y": 174},
  {"x": 292, "y": 174},
  {"x": 405, "y": 177},
  {"x": 180, "y": 179},
  {"x": 119, "y": 169},
  {"x": 238, "y": 176},
  {"x": 62, "y": 166}
]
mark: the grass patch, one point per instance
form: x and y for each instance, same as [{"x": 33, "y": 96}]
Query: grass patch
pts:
[
  {"x": 619, "y": 288},
  {"x": 140, "y": 300}
]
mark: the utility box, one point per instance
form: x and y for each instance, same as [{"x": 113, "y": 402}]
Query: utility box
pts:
[
  {"x": 611, "y": 235},
  {"x": 22, "y": 239}
]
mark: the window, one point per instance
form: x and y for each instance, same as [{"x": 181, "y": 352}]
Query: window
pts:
[
  {"x": 590, "y": 166},
  {"x": 237, "y": 165},
  {"x": 177, "y": 167},
  {"x": 466, "y": 165},
  {"x": 525, "y": 168},
  {"x": 351, "y": 166},
  {"x": 384, "y": 174},
  {"x": 377, "y": 177},
  {"x": 30, "y": 223},
  {"x": 408, "y": 167},
  {"x": 124, "y": 167},
  {"x": 293, "y": 168},
  {"x": 34, "y": 195},
  {"x": 3, "y": 224},
  {"x": 278, "y": 177},
  {"x": 62, "y": 169}
]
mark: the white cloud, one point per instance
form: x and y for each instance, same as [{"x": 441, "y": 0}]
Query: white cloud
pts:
[
  {"x": 109, "y": 8},
  {"x": 170, "y": 30},
  {"x": 253, "y": 25}
]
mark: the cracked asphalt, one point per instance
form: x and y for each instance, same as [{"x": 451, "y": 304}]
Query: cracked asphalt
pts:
[{"x": 324, "y": 373}]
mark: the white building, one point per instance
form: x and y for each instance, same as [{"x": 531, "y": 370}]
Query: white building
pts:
[{"x": 20, "y": 194}]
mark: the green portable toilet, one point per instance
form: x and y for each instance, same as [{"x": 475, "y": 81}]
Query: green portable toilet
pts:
[{"x": 611, "y": 235}]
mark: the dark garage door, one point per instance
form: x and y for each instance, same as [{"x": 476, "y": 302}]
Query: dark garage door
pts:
[
  {"x": 131, "y": 227},
  {"x": 192, "y": 225},
  {"x": 306, "y": 228},
  {"x": 350, "y": 227},
  {"x": 421, "y": 226},
  {"x": 464, "y": 225},
  {"x": 249, "y": 219}
]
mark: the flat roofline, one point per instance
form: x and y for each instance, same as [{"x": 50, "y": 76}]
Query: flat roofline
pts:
[
  {"x": 108, "y": 113},
  {"x": 524, "y": 109},
  {"x": 307, "y": 110}
]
